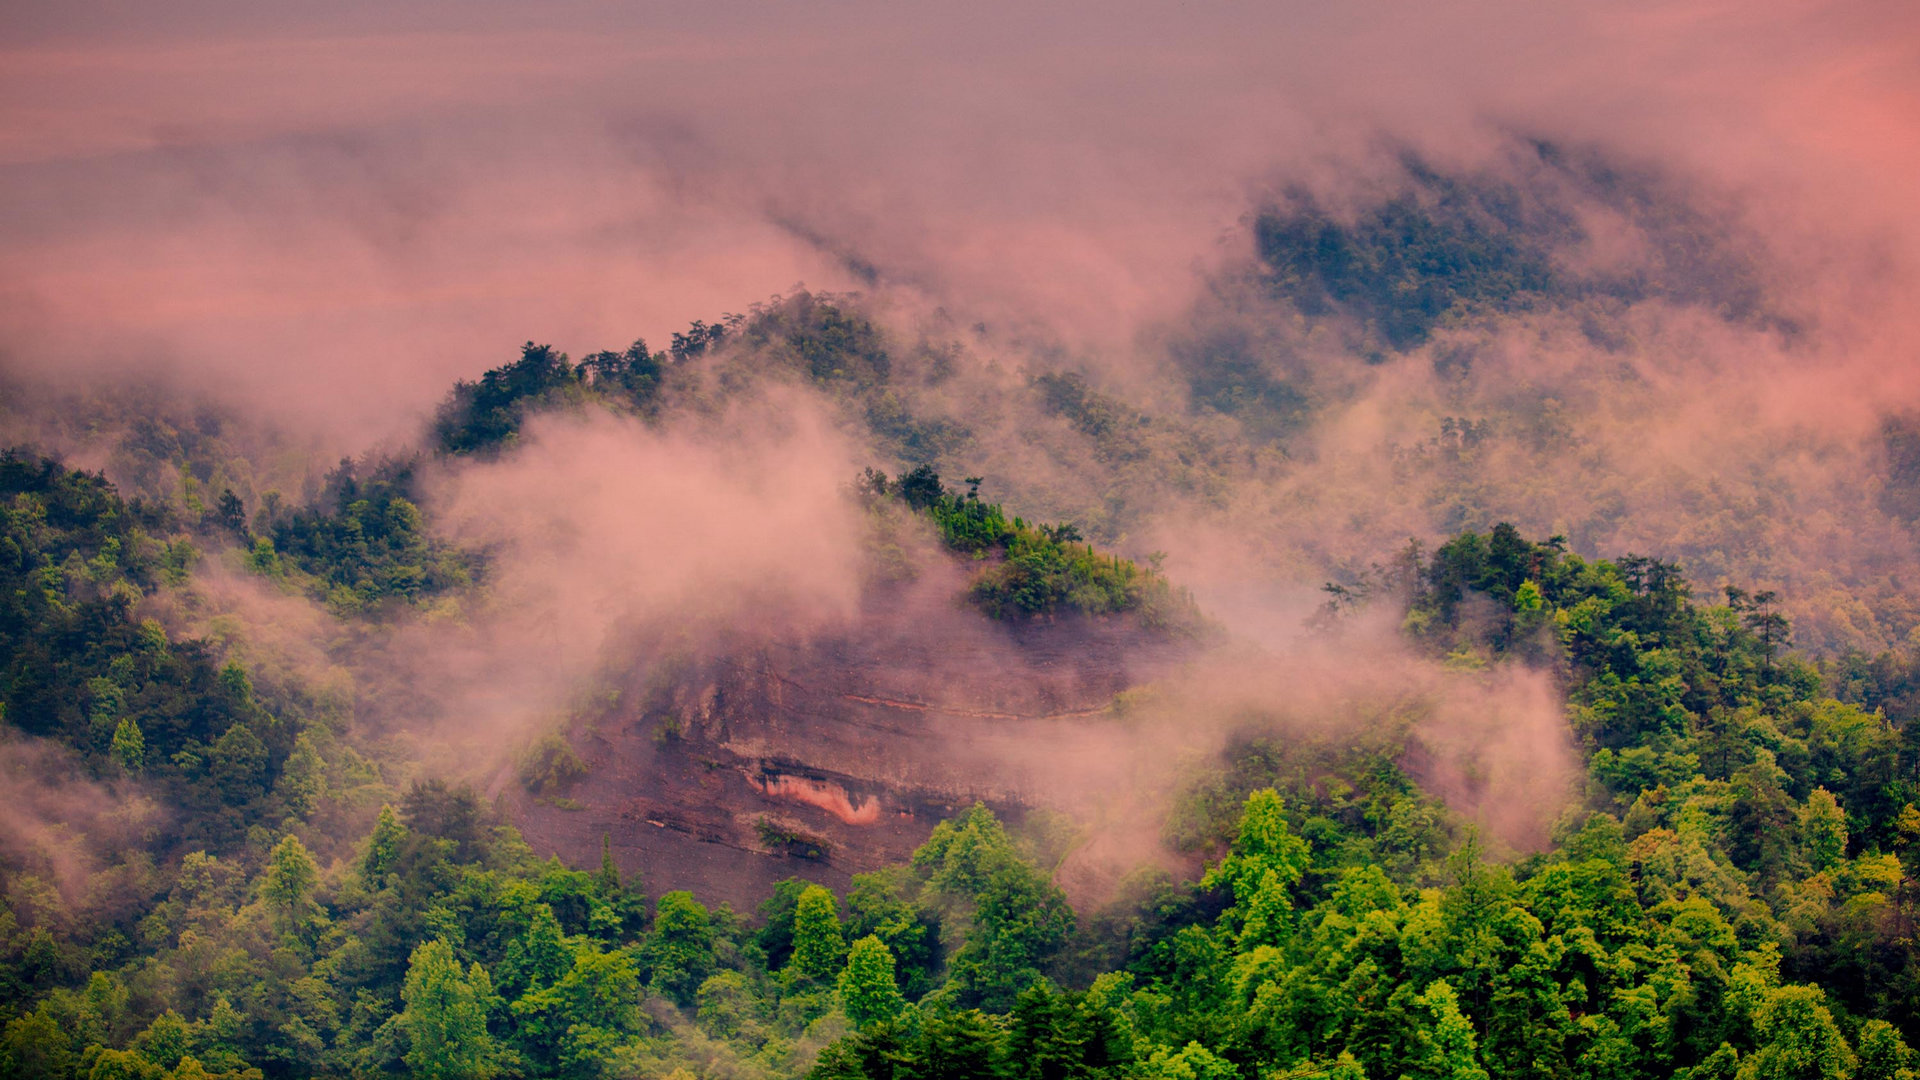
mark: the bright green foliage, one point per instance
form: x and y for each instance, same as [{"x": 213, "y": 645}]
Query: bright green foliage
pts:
[
  {"x": 1445, "y": 1041},
  {"x": 1823, "y": 829},
  {"x": 287, "y": 885},
  {"x": 868, "y": 991},
  {"x": 1266, "y": 862},
  {"x": 1018, "y": 918},
  {"x": 1190, "y": 1062},
  {"x": 570, "y": 1026},
  {"x": 383, "y": 846},
  {"x": 1731, "y": 897},
  {"x": 1034, "y": 570},
  {"x": 1797, "y": 1039},
  {"x": 1722, "y": 836},
  {"x": 1883, "y": 1055},
  {"x": 445, "y": 1018},
  {"x": 129, "y": 748},
  {"x": 677, "y": 955},
  {"x": 818, "y": 942}
]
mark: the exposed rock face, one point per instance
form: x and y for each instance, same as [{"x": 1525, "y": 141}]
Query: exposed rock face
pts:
[{"x": 827, "y": 757}]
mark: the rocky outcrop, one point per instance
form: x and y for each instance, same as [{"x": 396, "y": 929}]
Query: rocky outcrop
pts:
[{"x": 828, "y": 756}]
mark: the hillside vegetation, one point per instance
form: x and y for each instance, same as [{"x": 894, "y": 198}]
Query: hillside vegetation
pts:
[
  {"x": 210, "y": 870},
  {"x": 1734, "y": 901}
]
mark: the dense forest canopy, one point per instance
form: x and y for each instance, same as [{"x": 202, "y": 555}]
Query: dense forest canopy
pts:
[{"x": 1734, "y": 897}]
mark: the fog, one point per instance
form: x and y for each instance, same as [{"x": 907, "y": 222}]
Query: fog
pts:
[
  {"x": 344, "y": 210},
  {"x": 317, "y": 220}
]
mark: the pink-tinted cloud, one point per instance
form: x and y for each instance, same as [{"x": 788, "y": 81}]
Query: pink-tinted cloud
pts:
[{"x": 346, "y": 208}]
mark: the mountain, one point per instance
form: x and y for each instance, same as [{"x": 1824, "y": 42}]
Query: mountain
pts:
[{"x": 1443, "y": 649}]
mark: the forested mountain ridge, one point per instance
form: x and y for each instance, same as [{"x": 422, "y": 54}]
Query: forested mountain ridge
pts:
[
  {"x": 229, "y": 868},
  {"x": 1731, "y": 904}
]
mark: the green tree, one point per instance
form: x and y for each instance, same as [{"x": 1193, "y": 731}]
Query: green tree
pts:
[
  {"x": 383, "y": 846},
  {"x": 1883, "y": 1054},
  {"x": 727, "y": 1005},
  {"x": 1191, "y": 1062},
  {"x": 445, "y": 1018},
  {"x": 678, "y": 954},
  {"x": 775, "y": 936},
  {"x": 868, "y": 992},
  {"x": 1823, "y": 829},
  {"x": 129, "y": 748},
  {"x": 1054, "y": 1035},
  {"x": 883, "y": 903},
  {"x": 1018, "y": 919},
  {"x": 1266, "y": 861},
  {"x": 303, "y": 778},
  {"x": 35, "y": 1045},
  {"x": 538, "y": 956},
  {"x": 573, "y": 1025},
  {"x": 1797, "y": 1039},
  {"x": 817, "y": 941},
  {"x": 1444, "y": 1045},
  {"x": 963, "y": 1045},
  {"x": 238, "y": 762},
  {"x": 607, "y": 882},
  {"x": 217, "y": 1039},
  {"x": 237, "y": 683},
  {"x": 287, "y": 885},
  {"x": 111, "y": 1064},
  {"x": 166, "y": 1040}
]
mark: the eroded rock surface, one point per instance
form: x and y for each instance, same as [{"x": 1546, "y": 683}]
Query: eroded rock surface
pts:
[{"x": 831, "y": 756}]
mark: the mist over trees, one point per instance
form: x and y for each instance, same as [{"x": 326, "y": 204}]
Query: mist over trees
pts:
[
  {"x": 216, "y": 865},
  {"x": 1730, "y": 901}
]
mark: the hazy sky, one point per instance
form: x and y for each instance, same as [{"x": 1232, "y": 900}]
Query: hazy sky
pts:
[{"x": 329, "y": 214}]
